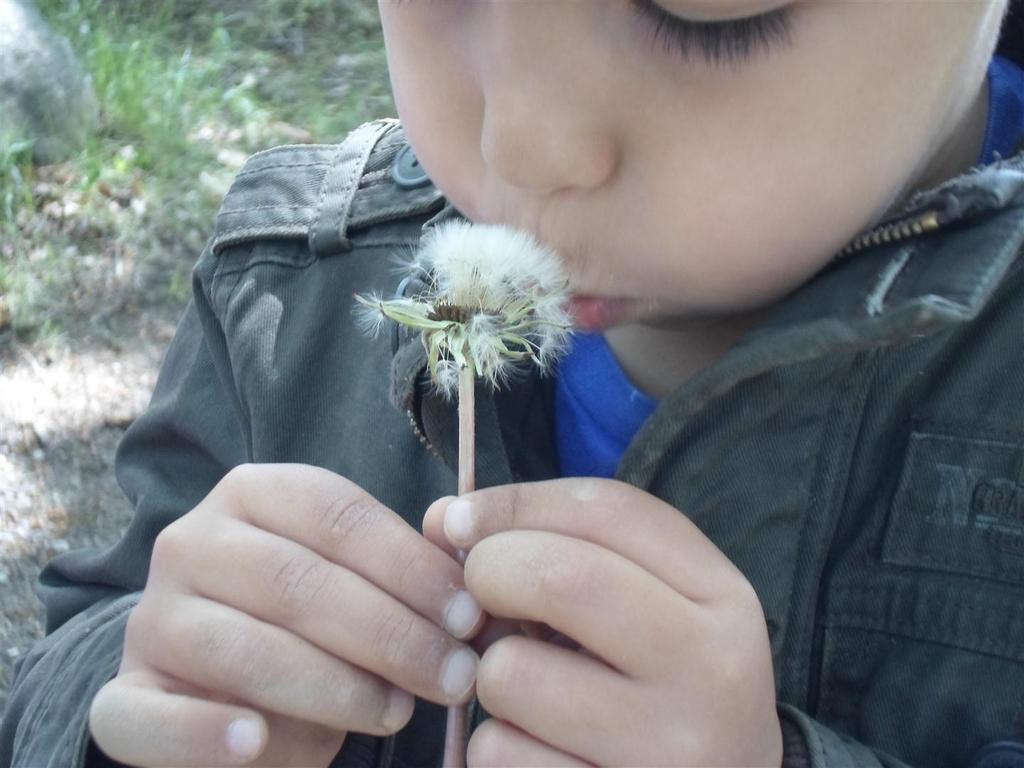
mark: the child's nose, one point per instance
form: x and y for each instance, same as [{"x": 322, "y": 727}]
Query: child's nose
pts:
[
  {"x": 545, "y": 122},
  {"x": 534, "y": 150}
]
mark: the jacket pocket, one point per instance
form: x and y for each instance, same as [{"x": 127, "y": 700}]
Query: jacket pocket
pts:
[{"x": 928, "y": 670}]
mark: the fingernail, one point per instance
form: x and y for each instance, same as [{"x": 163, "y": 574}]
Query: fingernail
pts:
[
  {"x": 400, "y": 705},
  {"x": 245, "y": 738},
  {"x": 462, "y": 614},
  {"x": 460, "y": 555},
  {"x": 459, "y": 673},
  {"x": 458, "y": 521}
]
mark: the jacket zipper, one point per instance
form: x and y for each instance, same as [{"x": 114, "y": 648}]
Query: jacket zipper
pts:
[
  {"x": 914, "y": 225},
  {"x": 424, "y": 440}
]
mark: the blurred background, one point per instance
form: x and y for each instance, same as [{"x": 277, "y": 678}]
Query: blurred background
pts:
[{"x": 122, "y": 123}]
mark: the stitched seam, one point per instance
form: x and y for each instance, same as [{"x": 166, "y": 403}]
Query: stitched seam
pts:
[
  {"x": 271, "y": 166},
  {"x": 931, "y": 427},
  {"x": 218, "y": 273},
  {"x": 869, "y": 596},
  {"x": 230, "y": 236},
  {"x": 268, "y": 232},
  {"x": 231, "y": 292},
  {"x": 373, "y": 176},
  {"x": 986, "y": 446},
  {"x": 362, "y": 220},
  {"x": 286, "y": 148},
  {"x": 971, "y": 567},
  {"x": 906, "y": 632},
  {"x": 862, "y": 613},
  {"x": 833, "y": 475},
  {"x": 984, "y": 281},
  {"x": 236, "y": 211},
  {"x": 323, "y": 196},
  {"x": 353, "y": 182}
]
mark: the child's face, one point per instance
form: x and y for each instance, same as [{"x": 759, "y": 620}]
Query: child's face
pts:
[{"x": 684, "y": 187}]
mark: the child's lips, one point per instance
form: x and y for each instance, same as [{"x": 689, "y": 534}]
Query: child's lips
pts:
[{"x": 596, "y": 313}]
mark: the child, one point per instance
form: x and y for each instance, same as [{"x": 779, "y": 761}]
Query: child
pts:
[{"x": 813, "y": 550}]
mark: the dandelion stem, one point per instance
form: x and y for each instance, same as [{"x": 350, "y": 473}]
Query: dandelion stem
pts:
[
  {"x": 467, "y": 432},
  {"x": 455, "y": 728}
]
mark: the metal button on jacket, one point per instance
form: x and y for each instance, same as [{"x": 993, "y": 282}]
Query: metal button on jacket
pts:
[
  {"x": 407, "y": 171},
  {"x": 999, "y": 754}
]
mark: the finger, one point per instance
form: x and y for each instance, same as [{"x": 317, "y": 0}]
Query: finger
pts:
[
  {"x": 433, "y": 527},
  {"x": 145, "y": 712},
  {"x": 497, "y": 744},
  {"x": 524, "y": 682},
  {"x": 602, "y": 600},
  {"x": 135, "y": 721},
  {"x": 604, "y": 512},
  {"x": 337, "y": 519},
  {"x": 224, "y": 650},
  {"x": 284, "y": 584}
]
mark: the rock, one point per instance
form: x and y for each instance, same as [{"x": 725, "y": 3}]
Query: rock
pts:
[{"x": 44, "y": 96}]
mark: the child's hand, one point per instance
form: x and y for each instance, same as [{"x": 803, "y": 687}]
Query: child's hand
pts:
[
  {"x": 291, "y": 601},
  {"x": 675, "y": 666}
]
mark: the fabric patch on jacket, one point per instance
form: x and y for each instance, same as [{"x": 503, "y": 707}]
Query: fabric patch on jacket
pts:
[{"x": 959, "y": 507}]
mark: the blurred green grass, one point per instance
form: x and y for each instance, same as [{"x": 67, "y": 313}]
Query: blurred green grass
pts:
[{"x": 187, "y": 89}]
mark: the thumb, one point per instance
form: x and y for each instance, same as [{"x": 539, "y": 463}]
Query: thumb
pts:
[{"x": 433, "y": 527}]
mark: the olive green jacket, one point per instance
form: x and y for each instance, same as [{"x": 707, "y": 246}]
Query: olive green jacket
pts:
[{"x": 859, "y": 456}]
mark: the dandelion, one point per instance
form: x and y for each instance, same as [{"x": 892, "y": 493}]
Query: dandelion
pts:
[{"x": 495, "y": 300}]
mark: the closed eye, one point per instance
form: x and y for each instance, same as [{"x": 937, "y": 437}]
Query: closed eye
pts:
[{"x": 730, "y": 43}]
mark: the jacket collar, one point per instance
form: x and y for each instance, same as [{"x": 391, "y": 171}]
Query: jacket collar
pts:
[{"x": 915, "y": 286}]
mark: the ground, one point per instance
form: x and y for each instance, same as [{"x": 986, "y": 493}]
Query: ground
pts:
[
  {"x": 62, "y": 413},
  {"x": 95, "y": 252}
]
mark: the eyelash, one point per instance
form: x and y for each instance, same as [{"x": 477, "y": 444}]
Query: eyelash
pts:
[{"x": 731, "y": 43}]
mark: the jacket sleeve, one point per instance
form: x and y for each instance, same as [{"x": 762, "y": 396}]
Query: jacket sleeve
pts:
[
  {"x": 806, "y": 743},
  {"x": 169, "y": 459}
]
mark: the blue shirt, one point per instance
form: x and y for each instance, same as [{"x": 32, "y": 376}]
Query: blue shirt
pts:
[{"x": 597, "y": 409}]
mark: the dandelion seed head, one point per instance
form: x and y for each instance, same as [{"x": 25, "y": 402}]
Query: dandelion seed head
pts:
[
  {"x": 495, "y": 299},
  {"x": 489, "y": 265}
]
